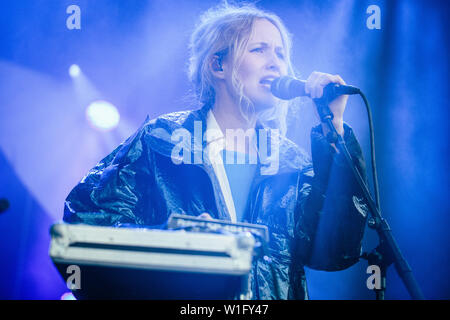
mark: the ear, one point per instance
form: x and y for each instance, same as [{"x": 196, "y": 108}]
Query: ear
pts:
[{"x": 216, "y": 67}]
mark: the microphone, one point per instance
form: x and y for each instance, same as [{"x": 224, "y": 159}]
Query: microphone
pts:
[{"x": 287, "y": 88}]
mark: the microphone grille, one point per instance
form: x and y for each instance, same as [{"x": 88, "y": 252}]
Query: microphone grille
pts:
[{"x": 285, "y": 87}]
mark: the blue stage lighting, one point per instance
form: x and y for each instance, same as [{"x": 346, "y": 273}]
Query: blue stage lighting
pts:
[
  {"x": 74, "y": 70},
  {"x": 102, "y": 115}
]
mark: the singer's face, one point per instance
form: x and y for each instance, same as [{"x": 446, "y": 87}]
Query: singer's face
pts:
[{"x": 262, "y": 61}]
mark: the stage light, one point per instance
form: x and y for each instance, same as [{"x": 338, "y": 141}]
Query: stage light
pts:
[
  {"x": 74, "y": 70},
  {"x": 68, "y": 296},
  {"x": 102, "y": 115}
]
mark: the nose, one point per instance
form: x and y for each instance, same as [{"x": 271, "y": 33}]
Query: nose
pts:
[{"x": 273, "y": 62}]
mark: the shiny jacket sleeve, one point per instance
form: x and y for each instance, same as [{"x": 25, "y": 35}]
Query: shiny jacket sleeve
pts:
[
  {"x": 332, "y": 215},
  {"x": 115, "y": 191}
]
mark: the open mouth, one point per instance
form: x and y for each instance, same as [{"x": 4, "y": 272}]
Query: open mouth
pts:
[{"x": 267, "y": 82}]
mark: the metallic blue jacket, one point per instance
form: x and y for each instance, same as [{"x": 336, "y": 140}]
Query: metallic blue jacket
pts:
[{"x": 313, "y": 209}]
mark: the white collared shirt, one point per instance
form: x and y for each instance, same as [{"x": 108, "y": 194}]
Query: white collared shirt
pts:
[{"x": 215, "y": 144}]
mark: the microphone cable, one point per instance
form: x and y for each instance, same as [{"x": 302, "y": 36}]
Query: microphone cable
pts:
[{"x": 372, "y": 150}]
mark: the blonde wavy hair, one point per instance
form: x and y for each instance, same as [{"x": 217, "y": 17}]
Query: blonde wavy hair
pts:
[{"x": 224, "y": 31}]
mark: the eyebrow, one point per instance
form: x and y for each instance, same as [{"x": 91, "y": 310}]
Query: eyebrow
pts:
[{"x": 265, "y": 44}]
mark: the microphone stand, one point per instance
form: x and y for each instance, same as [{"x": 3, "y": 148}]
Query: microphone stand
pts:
[{"x": 387, "y": 251}]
